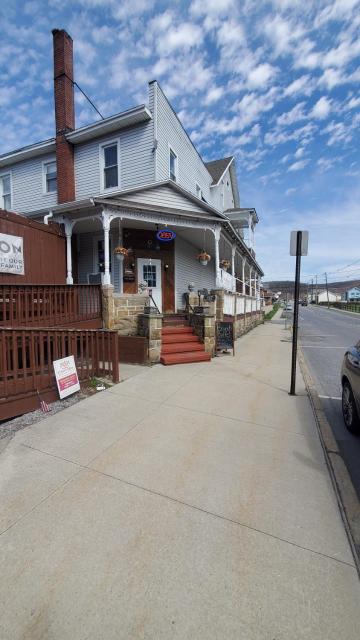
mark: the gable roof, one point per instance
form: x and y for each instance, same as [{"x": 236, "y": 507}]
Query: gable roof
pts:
[{"x": 217, "y": 168}]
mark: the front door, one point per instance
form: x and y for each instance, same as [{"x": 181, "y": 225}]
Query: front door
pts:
[{"x": 151, "y": 273}]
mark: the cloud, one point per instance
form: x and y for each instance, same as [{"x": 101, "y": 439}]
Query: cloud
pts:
[
  {"x": 294, "y": 115},
  {"x": 298, "y": 165},
  {"x": 211, "y": 7},
  {"x": 289, "y": 191},
  {"x": 322, "y": 108},
  {"x": 260, "y": 76},
  {"x": 183, "y": 37},
  {"x": 304, "y": 85},
  {"x": 213, "y": 95}
]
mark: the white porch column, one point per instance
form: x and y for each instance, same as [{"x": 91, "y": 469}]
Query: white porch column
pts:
[
  {"x": 217, "y": 255},
  {"x": 106, "y": 219},
  {"x": 233, "y": 251},
  {"x": 250, "y": 282},
  {"x": 243, "y": 263},
  {"x": 68, "y": 233}
]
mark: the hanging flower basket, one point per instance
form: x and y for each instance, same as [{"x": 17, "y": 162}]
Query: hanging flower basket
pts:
[
  {"x": 225, "y": 264},
  {"x": 203, "y": 257},
  {"x": 121, "y": 252}
]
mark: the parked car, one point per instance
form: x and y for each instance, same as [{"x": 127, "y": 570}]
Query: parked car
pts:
[
  {"x": 289, "y": 307},
  {"x": 350, "y": 380},
  {"x": 304, "y": 303}
]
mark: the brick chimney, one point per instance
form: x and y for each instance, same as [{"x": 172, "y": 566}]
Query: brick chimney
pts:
[{"x": 64, "y": 114}]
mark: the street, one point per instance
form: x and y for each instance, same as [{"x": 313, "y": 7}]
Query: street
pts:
[{"x": 324, "y": 336}]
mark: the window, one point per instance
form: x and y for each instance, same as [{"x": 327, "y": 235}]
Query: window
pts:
[
  {"x": 172, "y": 165},
  {"x": 110, "y": 165},
  {"x": 50, "y": 177},
  {"x": 149, "y": 273},
  {"x": 199, "y": 192},
  {"x": 5, "y": 191}
]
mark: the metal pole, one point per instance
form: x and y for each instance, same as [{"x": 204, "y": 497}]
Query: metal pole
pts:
[
  {"x": 296, "y": 313},
  {"x": 327, "y": 291},
  {"x": 316, "y": 291},
  {"x": 312, "y": 289}
]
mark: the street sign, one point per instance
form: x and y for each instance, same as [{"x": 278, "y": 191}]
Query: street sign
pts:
[
  {"x": 304, "y": 243},
  {"x": 66, "y": 376}
]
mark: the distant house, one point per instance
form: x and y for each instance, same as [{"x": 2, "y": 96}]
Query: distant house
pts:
[
  {"x": 352, "y": 295},
  {"x": 323, "y": 297}
]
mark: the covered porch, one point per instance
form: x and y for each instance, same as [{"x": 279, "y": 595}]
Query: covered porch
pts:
[{"x": 118, "y": 244}]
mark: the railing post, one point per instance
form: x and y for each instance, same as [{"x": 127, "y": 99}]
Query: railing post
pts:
[{"x": 115, "y": 357}]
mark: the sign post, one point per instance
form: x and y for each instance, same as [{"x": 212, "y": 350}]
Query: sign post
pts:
[{"x": 299, "y": 247}]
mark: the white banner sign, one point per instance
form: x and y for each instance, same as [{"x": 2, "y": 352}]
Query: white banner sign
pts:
[
  {"x": 11, "y": 254},
  {"x": 66, "y": 376}
]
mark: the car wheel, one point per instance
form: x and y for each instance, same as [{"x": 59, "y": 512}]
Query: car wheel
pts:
[{"x": 349, "y": 410}]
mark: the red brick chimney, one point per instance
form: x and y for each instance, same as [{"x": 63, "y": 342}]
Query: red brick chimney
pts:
[{"x": 64, "y": 114}]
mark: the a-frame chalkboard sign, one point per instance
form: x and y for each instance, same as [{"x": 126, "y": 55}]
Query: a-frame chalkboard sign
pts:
[{"x": 225, "y": 335}]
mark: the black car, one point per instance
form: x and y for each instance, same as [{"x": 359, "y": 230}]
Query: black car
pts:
[{"x": 350, "y": 381}]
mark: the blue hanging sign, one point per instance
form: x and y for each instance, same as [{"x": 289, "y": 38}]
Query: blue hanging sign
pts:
[{"x": 166, "y": 235}]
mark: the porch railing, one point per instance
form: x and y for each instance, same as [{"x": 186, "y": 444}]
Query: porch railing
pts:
[
  {"x": 48, "y": 305},
  {"x": 238, "y": 304},
  {"x": 27, "y": 355}
]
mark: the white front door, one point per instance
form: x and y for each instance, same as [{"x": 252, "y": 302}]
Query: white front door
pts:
[{"x": 151, "y": 273}]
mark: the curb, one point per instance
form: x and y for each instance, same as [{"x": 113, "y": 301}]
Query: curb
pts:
[{"x": 348, "y": 502}]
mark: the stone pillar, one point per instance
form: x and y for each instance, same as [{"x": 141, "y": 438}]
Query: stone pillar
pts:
[
  {"x": 150, "y": 326},
  {"x": 219, "y": 303},
  {"x": 209, "y": 334},
  {"x": 108, "y": 306}
]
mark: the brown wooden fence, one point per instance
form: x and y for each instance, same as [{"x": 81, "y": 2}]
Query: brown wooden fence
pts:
[
  {"x": 26, "y": 362},
  {"x": 50, "y": 305}
]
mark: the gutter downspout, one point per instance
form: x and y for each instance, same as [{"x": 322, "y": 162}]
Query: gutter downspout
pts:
[{"x": 49, "y": 215}]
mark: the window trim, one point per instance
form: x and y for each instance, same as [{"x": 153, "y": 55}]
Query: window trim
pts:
[
  {"x": 102, "y": 146},
  {"x": 2, "y": 175},
  {"x": 171, "y": 150},
  {"x": 43, "y": 164}
]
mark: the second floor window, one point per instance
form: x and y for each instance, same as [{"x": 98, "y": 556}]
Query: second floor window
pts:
[
  {"x": 50, "y": 177},
  {"x": 172, "y": 165},
  {"x": 5, "y": 191},
  {"x": 110, "y": 166}
]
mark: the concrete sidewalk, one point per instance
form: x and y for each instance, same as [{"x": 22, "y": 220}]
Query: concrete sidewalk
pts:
[{"x": 188, "y": 502}]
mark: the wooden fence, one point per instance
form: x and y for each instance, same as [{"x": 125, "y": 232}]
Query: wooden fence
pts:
[
  {"x": 50, "y": 305},
  {"x": 26, "y": 362}
]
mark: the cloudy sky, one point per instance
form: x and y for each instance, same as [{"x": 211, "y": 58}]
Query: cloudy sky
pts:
[{"x": 274, "y": 82}]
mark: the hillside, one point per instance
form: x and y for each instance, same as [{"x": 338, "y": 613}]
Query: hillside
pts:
[{"x": 287, "y": 287}]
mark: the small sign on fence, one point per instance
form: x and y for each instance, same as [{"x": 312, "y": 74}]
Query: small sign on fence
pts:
[
  {"x": 224, "y": 336},
  {"x": 66, "y": 376},
  {"x": 11, "y": 254}
]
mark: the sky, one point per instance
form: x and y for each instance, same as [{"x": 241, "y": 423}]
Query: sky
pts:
[{"x": 273, "y": 82}]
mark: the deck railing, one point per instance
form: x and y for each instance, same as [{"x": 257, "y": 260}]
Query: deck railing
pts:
[
  {"x": 27, "y": 355},
  {"x": 48, "y": 305}
]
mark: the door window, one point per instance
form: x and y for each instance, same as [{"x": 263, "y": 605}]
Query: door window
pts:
[{"x": 149, "y": 274}]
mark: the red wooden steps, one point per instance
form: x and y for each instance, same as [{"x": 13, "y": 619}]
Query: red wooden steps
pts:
[
  {"x": 182, "y": 358},
  {"x": 180, "y": 345}
]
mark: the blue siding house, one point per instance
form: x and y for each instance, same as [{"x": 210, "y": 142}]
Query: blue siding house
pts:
[
  {"x": 352, "y": 295},
  {"x": 115, "y": 183}
]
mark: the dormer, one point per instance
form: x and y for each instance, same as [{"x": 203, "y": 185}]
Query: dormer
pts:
[{"x": 224, "y": 188}]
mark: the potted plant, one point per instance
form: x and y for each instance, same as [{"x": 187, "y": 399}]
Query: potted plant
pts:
[
  {"x": 225, "y": 264},
  {"x": 121, "y": 252},
  {"x": 203, "y": 257}
]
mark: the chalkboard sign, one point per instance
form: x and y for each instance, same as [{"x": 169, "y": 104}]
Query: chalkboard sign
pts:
[{"x": 224, "y": 335}]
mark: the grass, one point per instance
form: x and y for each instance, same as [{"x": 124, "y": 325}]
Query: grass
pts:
[{"x": 271, "y": 313}]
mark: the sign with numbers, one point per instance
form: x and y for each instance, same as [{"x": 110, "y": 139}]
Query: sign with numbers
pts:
[{"x": 166, "y": 235}]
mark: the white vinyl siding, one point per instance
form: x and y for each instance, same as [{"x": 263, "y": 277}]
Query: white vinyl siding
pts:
[
  {"x": 166, "y": 197},
  {"x": 136, "y": 160},
  {"x": 172, "y": 135},
  {"x": 188, "y": 269},
  {"x": 27, "y": 185}
]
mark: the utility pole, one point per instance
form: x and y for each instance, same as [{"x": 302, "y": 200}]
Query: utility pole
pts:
[
  {"x": 312, "y": 289},
  {"x": 327, "y": 291},
  {"x": 316, "y": 291}
]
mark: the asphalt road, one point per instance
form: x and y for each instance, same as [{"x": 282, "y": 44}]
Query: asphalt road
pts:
[{"x": 324, "y": 336}]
